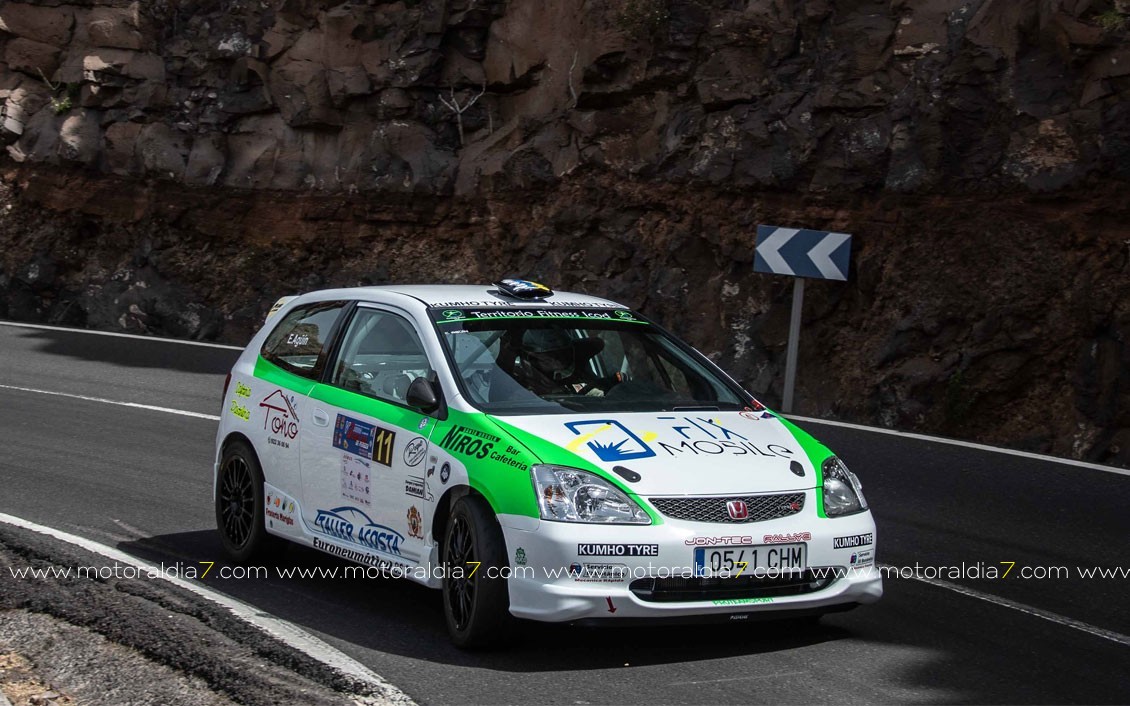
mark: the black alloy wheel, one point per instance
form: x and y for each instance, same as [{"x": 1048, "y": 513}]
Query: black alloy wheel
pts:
[
  {"x": 476, "y": 595},
  {"x": 239, "y": 503}
]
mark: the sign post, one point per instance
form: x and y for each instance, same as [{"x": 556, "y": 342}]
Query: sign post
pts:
[{"x": 800, "y": 253}]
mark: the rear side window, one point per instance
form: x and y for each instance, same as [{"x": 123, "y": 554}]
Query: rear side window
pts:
[{"x": 298, "y": 343}]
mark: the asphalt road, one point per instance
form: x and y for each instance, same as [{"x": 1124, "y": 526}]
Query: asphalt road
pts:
[{"x": 140, "y": 480}]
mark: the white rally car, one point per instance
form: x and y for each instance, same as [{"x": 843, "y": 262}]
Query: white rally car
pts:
[{"x": 537, "y": 454}]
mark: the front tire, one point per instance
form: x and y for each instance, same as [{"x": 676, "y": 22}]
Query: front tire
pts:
[
  {"x": 476, "y": 606},
  {"x": 239, "y": 503}
]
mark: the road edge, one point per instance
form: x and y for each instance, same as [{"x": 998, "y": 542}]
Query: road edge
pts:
[{"x": 365, "y": 680}]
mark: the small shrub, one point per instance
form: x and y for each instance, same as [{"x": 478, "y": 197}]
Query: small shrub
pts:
[
  {"x": 1112, "y": 20},
  {"x": 61, "y": 105}
]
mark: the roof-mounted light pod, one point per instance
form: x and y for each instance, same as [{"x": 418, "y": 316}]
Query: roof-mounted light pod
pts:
[{"x": 523, "y": 289}]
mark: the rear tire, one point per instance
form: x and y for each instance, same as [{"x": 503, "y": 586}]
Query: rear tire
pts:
[
  {"x": 476, "y": 607},
  {"x": 239, "y": 503}
]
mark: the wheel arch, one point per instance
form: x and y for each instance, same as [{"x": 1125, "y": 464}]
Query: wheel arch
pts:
[
  {"x": 443, "y": 509},
  {"x": 230, "y": 439}
]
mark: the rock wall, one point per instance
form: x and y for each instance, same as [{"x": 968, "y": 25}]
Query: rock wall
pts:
[{"x": 175, "y": 165}]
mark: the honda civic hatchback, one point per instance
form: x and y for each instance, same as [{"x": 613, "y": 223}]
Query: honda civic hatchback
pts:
[{"x": 533, "y": 454}]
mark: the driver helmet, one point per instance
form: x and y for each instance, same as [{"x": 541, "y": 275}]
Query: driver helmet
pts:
[{"x": 550, "y": 352}]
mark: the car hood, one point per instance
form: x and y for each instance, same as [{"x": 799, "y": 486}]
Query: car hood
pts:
[{"x": 680, "y": 453}]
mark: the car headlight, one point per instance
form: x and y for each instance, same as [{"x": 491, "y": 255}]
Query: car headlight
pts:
[
  {"x": 843, "y": 493},
  {"x": 571, "y": 495}
]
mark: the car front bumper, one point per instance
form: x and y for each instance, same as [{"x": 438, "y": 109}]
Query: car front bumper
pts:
[{"x": 545, "y": 585}]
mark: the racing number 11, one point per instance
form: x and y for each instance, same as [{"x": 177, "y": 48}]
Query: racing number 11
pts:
[{"x": 382, "y": 447}]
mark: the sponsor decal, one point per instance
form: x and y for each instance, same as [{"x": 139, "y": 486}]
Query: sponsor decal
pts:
[
  {"x": 415, "y": 523},
  {"x": 280, "y": 418},
  {"x": 444, "y": 472},
  {"x": 356, "y": 479},
  {"x": 452, "y": 314},
  {"x": 350, "y": 524},
  {"x": 240, "y": 411},
  {"x": 865, "y": 557},
  {"x": 787, "y": 538},
  {"x": 624, "y": 315},
  {"x": 414, "y": 486},
  {"x": 363, "y": 439},
  {"x": 853, "y": 541},
  {"x": 616, "y": 443},
  {"x": 276, "y": 515},
  {"x": 750, "y": 414},
  {"x": 508, "y": 459},
  {"x": 278, "y": 305},
  {"x": 525, "y": 286},
  {"x": 742, "y": 601},
  {"x": 280, "y": 508},
  {"x": 611, "y": 441},
  {"x": 711, "y": 541},
  {"x": 242, "y": 390},
  {"x": 415, "y": 451},
  {"x": 543, "y": 314},
  {"x": 617, "y": 550},
  {"x": 504, "y": 303},
  {"x": 423, "y": 423},
  {"x": 298, "y": 339},
  {"x": 520, "y": 556},
  {"x": 598, "y": 573},
  {"x": 469, "y": 442},
  {"x": 737, "y": 509},
  {"x": 359, "y": 557},
  {"x": 431, "y": 466}
]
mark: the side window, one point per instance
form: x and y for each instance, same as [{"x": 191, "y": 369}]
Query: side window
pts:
[
  {"x": 678, "y": 379},
  {"x": 299, "y": 339},
  {"x": 380, "y": 356}
]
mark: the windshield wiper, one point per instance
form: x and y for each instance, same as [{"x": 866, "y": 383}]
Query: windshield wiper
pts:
[{"x": 699, "y": 408}]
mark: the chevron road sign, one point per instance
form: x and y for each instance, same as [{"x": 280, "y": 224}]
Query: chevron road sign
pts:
[{"x": 802, "y": 253}]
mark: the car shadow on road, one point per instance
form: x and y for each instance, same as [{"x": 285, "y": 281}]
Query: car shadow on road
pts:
[
  {"x": 919, "y": 644},
  {"x": 399, "y": 617},
  {"x": 140, "y": 353}
]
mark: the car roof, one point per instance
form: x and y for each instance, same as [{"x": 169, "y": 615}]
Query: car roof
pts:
[{"x": 466, "y": 295}]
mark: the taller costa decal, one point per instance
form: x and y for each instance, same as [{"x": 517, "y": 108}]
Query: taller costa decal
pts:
[{"x": 280, "y": 418}]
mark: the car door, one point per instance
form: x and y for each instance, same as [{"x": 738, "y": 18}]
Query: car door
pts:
[
  {"x": 363, "y": 455},
  {"x": 291, "y": 360}
]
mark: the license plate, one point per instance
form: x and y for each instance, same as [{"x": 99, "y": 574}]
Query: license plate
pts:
[{"x": 762, "y": 560}]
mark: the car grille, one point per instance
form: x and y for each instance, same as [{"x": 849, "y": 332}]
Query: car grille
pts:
[
  {"x": 677, "y": 589},
  {"x": 713, "y": 509}
]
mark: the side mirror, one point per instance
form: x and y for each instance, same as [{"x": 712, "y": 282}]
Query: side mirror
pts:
[{"x": 422, "y": 396}]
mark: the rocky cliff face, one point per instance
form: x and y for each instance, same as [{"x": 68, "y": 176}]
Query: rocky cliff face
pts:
[{"x": 175, "y": 165}]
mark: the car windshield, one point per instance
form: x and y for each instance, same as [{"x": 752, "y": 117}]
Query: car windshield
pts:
[{"x": 564, "y": 361}]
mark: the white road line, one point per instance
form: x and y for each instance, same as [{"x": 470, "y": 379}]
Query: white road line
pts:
[
  {"x": 846, "y": 425},
  {"x": 136, "y": 405},
  {"x": 281, "y": 630},
  {"x": 1036, "y": 612},
  {"x": 966, "y": 444},
  {"x": 729, "y": 679},
  {"x": 17, "y": 324}
]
